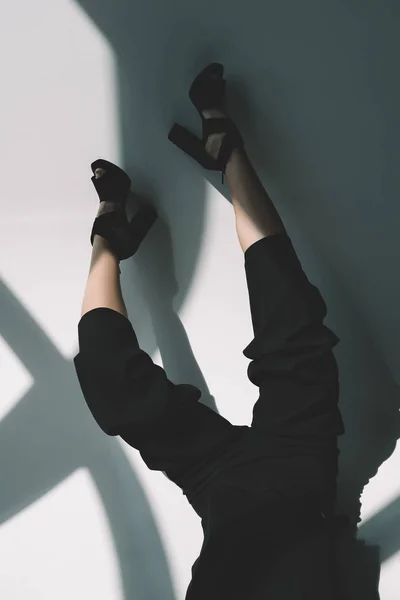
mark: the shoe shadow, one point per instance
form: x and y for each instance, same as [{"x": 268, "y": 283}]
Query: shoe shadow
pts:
[{"x": 153, "y": 273}]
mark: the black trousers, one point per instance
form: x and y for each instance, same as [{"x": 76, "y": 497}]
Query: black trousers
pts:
[
  {"x": 292, "y": 364},
  {"x": 296, "y": 419}
]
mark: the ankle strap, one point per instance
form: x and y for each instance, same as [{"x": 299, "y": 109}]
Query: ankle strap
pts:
[
  {"x": 232, "y": 140},
  {"x": 217, "y": 125}
]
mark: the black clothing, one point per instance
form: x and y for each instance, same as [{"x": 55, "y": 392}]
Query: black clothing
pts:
[{"x": 265, "y": 493}]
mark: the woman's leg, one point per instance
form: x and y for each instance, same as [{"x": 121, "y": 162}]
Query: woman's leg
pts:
[
  {"x": 256, "y": 216},
  {"x": 103, "y": 287}
]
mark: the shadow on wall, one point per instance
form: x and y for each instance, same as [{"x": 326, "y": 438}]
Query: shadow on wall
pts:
[{"x": 315, "y": 123}]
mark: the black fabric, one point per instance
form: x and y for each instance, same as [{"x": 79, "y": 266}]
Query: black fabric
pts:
[
  {"x": 129, "y": 395},
  {"x": 266, "y": 493}
]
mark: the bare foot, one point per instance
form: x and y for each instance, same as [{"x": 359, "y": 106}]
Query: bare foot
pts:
[{"x": 98, "y": 173}]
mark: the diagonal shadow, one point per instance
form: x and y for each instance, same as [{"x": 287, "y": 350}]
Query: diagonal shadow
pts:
[
  {"x": 159, "y": 49},
  {"x": 169, "y": 36},
  {"x": 383, "y": 529},
  {"x": 38, "y": 432},
  {"x": 157, "y": 54},
  {"x": 50, "y": 433}
]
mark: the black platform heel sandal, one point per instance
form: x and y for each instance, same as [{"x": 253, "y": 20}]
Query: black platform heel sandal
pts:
[
  {"x": 206, "y": 92},
  {"x": 124, "y": 237}
]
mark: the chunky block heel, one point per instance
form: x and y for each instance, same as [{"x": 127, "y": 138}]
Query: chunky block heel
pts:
[
  {"x": 192, "y": 145},
  {"x": 207, "y": 92}
]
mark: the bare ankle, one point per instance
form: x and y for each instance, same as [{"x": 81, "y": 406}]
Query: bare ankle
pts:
[{"x": 237, "y": 157}]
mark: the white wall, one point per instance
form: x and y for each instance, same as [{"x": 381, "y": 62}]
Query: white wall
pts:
[{"x": 81, "y": 515}]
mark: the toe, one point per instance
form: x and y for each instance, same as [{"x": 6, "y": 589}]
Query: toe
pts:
[{"x": 98, "y": 173}]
